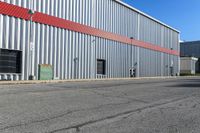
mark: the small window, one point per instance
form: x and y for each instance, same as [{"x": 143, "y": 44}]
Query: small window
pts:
[
  {"x": 10, "y": 61},
  {"x": 101, "y": 66}
]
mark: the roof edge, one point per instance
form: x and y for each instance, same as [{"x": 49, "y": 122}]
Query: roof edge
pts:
[
  {"x": 190, "y": 41},
  {"x": 142, "y": 13}
]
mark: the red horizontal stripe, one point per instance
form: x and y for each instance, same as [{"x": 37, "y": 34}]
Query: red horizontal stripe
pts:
[{"x": 19, "y": 12}]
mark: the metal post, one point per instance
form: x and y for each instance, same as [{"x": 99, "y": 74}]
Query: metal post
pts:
[
  {"x": 138, "y": 49},
  {"x": 93, "y": 43},
  {"x": 31, "y": 47},
  {"x": 131, "y": 61},
  {"x": 93, "y": 58},
  {"x": 76, "y": 68},
  {"x": 171, "y": 64}
]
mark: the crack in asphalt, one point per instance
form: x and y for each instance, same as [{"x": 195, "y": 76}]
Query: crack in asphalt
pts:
[
  {"x": 74, "y": 111},
  {"x": 62, "y": 115},
  {"x": 94, "y": 121},
  {"x": 35, "y": 121},
  {"x": 78, "y": 126}
]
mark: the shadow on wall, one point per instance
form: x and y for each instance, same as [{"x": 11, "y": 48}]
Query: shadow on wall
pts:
[{"x": 188, "y": 83}]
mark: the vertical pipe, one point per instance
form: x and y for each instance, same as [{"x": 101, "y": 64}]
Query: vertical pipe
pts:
[
  {"x": 93, "y": 42},
  {"x": 31, "y": 44},
  {"x": 138, "y": 49},
  {"x": 1, "y": 30}
]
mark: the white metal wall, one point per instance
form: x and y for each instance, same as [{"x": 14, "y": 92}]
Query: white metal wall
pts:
[{"x": 73, "y": 55}]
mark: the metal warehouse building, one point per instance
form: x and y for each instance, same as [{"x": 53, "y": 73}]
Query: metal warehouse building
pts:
[{"x": 84, "y": 39}]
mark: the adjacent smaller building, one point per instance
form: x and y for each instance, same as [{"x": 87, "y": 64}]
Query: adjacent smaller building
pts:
[
  {"x": 190, "y": 51},
  {"x": 188, "y": 65}
]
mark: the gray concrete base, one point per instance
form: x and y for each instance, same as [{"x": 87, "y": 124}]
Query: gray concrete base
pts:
[{"x": 75, "y": 80}]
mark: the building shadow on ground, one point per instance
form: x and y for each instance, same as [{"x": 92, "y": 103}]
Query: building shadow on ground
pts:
[{"x": 188, "y": 83}]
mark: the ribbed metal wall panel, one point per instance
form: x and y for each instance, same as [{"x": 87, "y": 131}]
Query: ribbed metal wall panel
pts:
[{"x": 73, "y": 55}]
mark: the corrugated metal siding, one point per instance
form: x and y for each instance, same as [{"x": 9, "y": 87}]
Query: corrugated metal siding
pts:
[{"x": 61, "y": 47}]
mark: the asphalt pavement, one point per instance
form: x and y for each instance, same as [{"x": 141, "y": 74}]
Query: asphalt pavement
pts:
[{"x": 117, "y": 106}]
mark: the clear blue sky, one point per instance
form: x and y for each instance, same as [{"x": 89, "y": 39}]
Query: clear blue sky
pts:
[{"x": 183, "y": 15}]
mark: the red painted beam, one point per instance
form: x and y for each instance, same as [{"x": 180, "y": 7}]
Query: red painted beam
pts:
[{"x": 20, "y": 12}]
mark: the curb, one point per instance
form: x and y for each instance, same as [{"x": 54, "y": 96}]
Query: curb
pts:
[{"x": 76, "y": 80}]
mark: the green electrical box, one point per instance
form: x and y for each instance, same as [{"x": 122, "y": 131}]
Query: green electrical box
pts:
[{"x": 45, "y": 72}]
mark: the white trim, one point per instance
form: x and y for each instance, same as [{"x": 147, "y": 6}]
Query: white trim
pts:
[{"x": 189, "y": 58}]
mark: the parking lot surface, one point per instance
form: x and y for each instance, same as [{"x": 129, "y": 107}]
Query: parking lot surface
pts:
[{"x": 118, "y": 106}]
